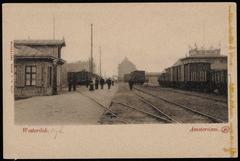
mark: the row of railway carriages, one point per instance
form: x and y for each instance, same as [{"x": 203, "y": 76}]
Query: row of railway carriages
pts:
[{"x": 195, "y": 75}]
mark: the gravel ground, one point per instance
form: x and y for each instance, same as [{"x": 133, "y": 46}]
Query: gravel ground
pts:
[
  {"x": 67, "y": 108},
  {"x": 75, "y": 108},
  {"x": 124, "y": 95},
  {"x": 207, "y": 106}
]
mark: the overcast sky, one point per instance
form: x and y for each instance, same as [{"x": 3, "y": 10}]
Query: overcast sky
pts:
[{"x": 152, "y": 36}]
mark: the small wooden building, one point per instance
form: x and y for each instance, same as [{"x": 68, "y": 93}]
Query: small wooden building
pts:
[{"x": 37, "y": 67}]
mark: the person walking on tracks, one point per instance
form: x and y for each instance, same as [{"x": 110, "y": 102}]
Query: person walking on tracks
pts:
[
  {"x": 96, "y": 83},
  {"x": 130, "y": 83},
  {"x": 109, "y": 83},
  {"x": 69, "y": 84},
  {"x": 74, "y": 82},
  {"x": 102, "y": 82},
  {"x": 87, "y": 83},
  {"x": 70, "y": 81}
]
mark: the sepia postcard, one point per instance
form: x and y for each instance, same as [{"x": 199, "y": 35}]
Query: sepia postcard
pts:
[{"x": 119, "y": 80}]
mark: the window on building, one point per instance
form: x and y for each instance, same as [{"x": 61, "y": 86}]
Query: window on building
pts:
[{"x": 30, "y": 75}]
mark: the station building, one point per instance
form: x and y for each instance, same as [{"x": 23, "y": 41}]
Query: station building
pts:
[{"x": 37, "y": 67}]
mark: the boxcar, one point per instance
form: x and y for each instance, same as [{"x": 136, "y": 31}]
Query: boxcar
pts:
[
  {"x": 138, "y": 76},
  {"x": 196, "y": 75},
  {"x": 218, "y": 81},
  {"x": 162, "y": 80},
  {"x": 83, "y": 77}
]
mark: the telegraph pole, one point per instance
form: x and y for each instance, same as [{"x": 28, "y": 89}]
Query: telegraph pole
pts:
[
  {"x": 54, "y": 89},
  {"x": 91, "y": 59},
  {"x": 100, "y": 63},
  {"x": 53, "y": 27}
]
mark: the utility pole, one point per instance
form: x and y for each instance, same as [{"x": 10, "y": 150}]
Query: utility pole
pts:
[
  {"x": 54, "y": 89},
  {"x": 100, "y": 63},
  {"x": 91, "y": 59},
  {"x": 53, "y": 27}
]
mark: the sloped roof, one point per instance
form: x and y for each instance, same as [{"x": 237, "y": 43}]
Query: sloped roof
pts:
[
  {"x": 178, "y": 62},
  {"x": 204, "y": 57},
  {"x": 28, "y": 51},
  {"x": 40, "y": 42}
]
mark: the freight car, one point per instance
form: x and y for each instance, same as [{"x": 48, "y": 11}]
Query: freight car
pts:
[
  {"x": 194, "y": 76},
  {"x": 81, "y": 77},
  {"x": 138, "y": 76},
  {"x": 218, "y": 81},
  {"x": 163, "y": 80}
]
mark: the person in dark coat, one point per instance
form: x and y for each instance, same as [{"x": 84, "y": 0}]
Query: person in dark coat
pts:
[
  {"x": 102, "y": 82},
  {"x": 70, "y": 81},
  {"x": 69, "y": 84},
  {"x": 109, "y": 82},
  {"x": 87, "y": 83},
  {"x": 96, "y": 83},
  {"x": 91, "y": 86},
  {"x": 130, "y": 83},
  {"x": 112, "y": 83},
  {"x": 74, "y": 83}
]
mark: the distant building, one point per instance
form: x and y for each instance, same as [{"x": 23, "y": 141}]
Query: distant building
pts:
[
  {"x": 125, "y": 67},
  {"x": 152, "y": 77},
  {"x": 37, "y": 67}
]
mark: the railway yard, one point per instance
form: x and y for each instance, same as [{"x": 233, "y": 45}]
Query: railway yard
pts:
[{"x": 148, "y": 104}]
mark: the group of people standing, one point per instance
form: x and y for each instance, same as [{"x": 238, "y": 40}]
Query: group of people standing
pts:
[{"x": 100, "y": 82}]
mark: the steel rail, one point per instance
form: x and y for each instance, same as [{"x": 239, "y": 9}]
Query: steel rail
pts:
[
  {"x": 189, "y": 94},
  {"x": 156, "y": 108},
  {"x": 108, "y": 109},
  {"x": 145, "y": 112},
  {"x": 183, "y": 106}
]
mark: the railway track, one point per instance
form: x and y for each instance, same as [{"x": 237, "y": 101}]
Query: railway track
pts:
[
  {"x": 167, "y": 119},
  {"x": 188, "y": 94},
  {"x": 145, "y": 112},
  {"x": 106, "y": 108},
  {"x": 214, "y": 119}
]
